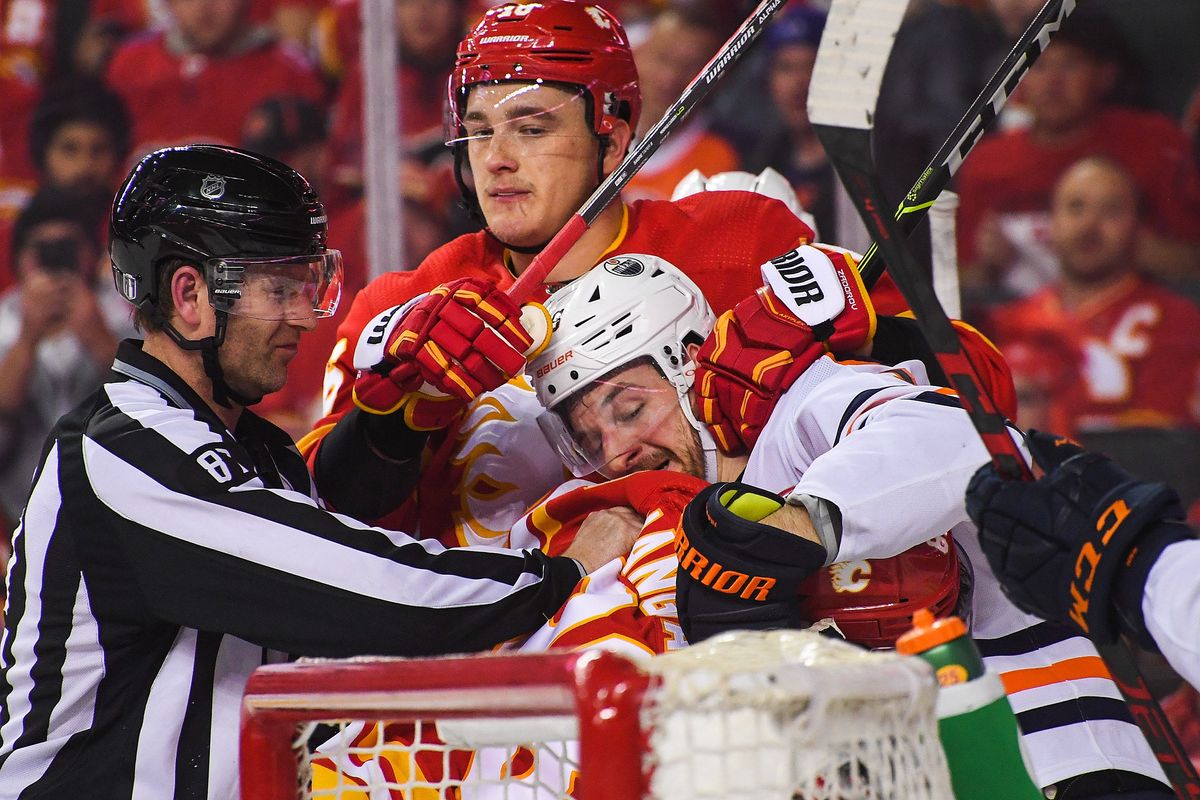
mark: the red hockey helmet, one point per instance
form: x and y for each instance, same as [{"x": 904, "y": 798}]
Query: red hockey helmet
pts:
[
  {"x": 873, "y": 600},
  {"x": 557, "y": 41}
]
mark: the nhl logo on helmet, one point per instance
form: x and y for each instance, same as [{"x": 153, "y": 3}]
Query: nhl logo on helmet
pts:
[{"x": 212, "y": 187}]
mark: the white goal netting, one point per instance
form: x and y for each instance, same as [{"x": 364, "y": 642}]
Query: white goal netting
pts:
[{"x": 790, "y": 715}]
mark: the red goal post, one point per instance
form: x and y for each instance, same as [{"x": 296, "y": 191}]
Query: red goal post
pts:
[
  {"x": 782, "y": 714},
  {"x": 598, "y": 686}
]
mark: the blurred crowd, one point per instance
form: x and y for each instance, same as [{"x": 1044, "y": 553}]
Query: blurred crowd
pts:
[{"x": 1078, "y": 230}]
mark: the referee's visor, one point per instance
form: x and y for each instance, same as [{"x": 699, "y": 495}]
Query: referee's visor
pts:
[{"x": 284, "y": 288}]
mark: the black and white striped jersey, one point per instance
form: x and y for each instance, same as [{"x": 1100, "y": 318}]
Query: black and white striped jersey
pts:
[{"x": 161, "y": 558}]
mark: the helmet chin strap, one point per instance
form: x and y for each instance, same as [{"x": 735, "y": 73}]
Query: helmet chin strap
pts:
[{"x": 223, "y": 394}]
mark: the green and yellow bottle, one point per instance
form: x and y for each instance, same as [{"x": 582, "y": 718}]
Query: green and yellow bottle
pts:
[{"x": 976, "y": 724}]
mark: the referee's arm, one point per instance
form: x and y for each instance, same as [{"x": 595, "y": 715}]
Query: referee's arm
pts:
[{"x": 273, "y": 568}]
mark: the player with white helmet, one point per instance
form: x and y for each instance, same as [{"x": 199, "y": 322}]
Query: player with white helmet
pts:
[
  {"x": 651, "y": 316},
  {"x": 616, "y": 379},
  {"x": 872, "y": 460}
]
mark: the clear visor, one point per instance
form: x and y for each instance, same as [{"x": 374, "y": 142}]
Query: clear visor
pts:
[
  {"x": 292, "y": 287},
  {"x": 523, "y": 118},
  {"x": 609, "y": 429}
]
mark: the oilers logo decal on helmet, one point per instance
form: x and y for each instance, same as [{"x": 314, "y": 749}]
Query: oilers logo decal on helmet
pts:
[{"x": 625, "y": 266}]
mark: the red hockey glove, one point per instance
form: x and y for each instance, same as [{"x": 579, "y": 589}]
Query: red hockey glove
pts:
[
  {"x": 433, "y": 355},
  {"x": 813, "y": 302}
]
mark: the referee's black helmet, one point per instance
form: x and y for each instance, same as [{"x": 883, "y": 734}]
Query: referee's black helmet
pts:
[{"x": 201, "y": 202}]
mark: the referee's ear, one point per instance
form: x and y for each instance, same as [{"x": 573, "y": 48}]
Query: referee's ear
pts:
[{"x": 189, "y": 294}]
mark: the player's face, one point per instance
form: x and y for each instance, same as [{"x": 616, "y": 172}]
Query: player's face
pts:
[
  {"x": 207, "y": 25},
  {"x": 532, "y": 156},
  {"x": 633, "y": 421},
  {"x": 256, "y": 352},
  {"x": 1094, "y": 221}
]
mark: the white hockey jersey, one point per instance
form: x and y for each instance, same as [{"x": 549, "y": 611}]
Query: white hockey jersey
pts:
[{"x": 904, "y": 454}]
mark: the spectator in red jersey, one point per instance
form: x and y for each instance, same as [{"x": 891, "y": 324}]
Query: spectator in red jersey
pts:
[
  {"x": 678, "y": 44},
  {"x": 1005, "y": 185},
  {"x": 1137, "y": 339},
  {"x": 18, "y": 178},
  {"x": 199, "y": 78},
  {"x": 79, "y": 137},
  {"x": 1044, "y": 368},
  {"x": 292, "y": 19}
]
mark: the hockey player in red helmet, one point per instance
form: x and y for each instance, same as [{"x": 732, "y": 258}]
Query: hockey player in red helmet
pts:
[
  {"x": 543, "y": 101},
  {"x": 515, "y": 76}
]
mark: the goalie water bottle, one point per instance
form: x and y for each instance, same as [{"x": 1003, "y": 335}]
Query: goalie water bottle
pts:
[{"x": 976, "y": 724}]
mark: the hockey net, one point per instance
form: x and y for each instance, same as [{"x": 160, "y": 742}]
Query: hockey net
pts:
[{"x": 788, "y": 714}]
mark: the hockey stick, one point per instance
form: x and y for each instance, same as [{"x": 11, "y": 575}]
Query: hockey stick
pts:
[
  {"x": 978, "y": 117},
  {"x": 845, "y": 87},
  {"x": 607, "y": 191}
]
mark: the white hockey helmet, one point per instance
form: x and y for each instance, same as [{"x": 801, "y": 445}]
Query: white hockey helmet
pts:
[
  {"x": 768, "y": 182},
  {"x": 625, "y": 309}
]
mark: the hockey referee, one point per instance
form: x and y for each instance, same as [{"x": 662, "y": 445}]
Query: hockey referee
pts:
[{"x": 172, "y": 540}]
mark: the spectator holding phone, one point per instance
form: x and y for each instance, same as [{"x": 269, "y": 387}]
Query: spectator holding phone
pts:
[{"x": 54, "y": 344}]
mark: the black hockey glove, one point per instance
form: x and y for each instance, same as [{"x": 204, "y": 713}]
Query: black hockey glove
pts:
[
  {"x": 1077, "y": 544},
  {"x": 735, "y": 572}
]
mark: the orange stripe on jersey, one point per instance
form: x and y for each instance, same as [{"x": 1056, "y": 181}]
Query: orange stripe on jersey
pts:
[{"x": 1071, "y": 669}]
